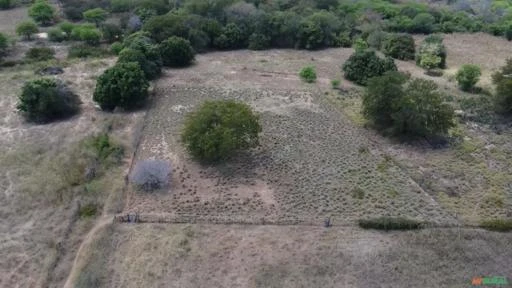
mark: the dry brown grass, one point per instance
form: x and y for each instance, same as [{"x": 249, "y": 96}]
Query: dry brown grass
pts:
[
  {"x": 10, "y": 18},
  {"x": 154, "y": 255},
  {"x": 40, "y": 231}
]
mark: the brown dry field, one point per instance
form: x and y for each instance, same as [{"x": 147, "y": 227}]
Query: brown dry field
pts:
[
  {"x": 160, "y": 255},
  {"x": 39, "y": 231}
]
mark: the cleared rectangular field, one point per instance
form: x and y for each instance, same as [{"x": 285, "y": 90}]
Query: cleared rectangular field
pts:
[{"x": 159, "y": 255}]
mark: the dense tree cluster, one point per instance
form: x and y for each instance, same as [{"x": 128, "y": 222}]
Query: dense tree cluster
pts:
[
  {"x": 403, "y": 106},
  {"x": 363, "y": 65}
]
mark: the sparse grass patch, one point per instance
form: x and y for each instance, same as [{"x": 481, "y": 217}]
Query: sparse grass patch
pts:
[
  {"x": 358, "y": 193},
  {"x": 88, "y": 210},
  {"x": 390, "y": 223},
  {"x": 501, "y": 225}
]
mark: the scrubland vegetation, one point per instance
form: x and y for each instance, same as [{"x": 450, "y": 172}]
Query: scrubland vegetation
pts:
[{"x": 409, "y": 139}]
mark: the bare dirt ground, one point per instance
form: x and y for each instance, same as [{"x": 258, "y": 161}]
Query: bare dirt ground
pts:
[{"x": 160, "y": 255}]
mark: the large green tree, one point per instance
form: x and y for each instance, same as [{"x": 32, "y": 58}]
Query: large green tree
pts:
[
  {"x": 123, "y": 85},
  {"x": 42, "y": 12},
  {"x": 220, "y": 128}
]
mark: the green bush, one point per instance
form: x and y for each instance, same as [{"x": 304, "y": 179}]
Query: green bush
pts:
[
  {"x": 123, "y": 85},
  {"x": 4, "y": 45},
  {"x": 501, "y": 225},
  {"x": 399, "y": 46},
  {"x": 85, "y": 51},
  {"x": 413, "y": 109},
  {"x": 308, "y": 74},
  {"x": 141, "y": 42},
  {"x": 381, "y": 96},
  {"x": 96, "y": 16},
  {"x": 364, "y": 65},
  {"x": 44, "y": 100},
  {"x": 467, "y": 76},
  {"x": 118, "y": 6},
  {"x": 335, "y": 83},
  {"x": 376, "y": 39},
  {"x": 423, "y": 23},
  {"x": 258, "y": 41},
  {"x": 27, "y": 29},
  {"x": 231, "y": 38},
  {"x": 360, "y": 45},
  {"x": 87, "y": 33},
  {"x": 503, "y": 82},
  {"x": 42, "y": 12},
  {"x": 220, "y": 128},
  {"x": 67, "y": 27},
  {"x": 56, "y": 35},
  {"x": 111, "y": 32},
  {"x": 176, "y": 52},
  {"x": 116, "y": 48},
  {"x": 151, "y": 70},
  {"x": 88, "y": 210},
  {"x": 431, "y": 53},
  {"x": 390, "y": 223},
  {"x": 6, "y": 4},
  {"x": 40, "y": 54}
]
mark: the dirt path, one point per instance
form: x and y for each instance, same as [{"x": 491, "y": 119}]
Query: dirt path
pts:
[{"x": 78, "y": 263}]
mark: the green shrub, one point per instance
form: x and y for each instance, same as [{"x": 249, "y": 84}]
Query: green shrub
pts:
[
  {"x": 40, "y": 54},
  {"x": 105, "y": 150},
  {"x": 27, "y": 29},
  {"x": 231, "y": 38},
  {"x": 44, "y": 100},
  {"x": 343, "y": 40},
  {"x": 88, "y": 210},
  {"x": 96, "y": 16},
  {"x": 67, "y": 27},
  {"x": 220, "y": 128},
  {"x": 42, "y": 12},
  {"x": 432, "y": 52},
  {"x": 376, "y": 39},
  {"x": 151, "y": 70},
  {"x": 4, "y": 45},
  {"x": 390, "y": 223},
  {"x": 467, "y": 76},
  {"x": 176, "y": 52},
  {"x": 56, "y": 35},
  {"x": 423, "y": 23},
  {"x": 111, "y": 32},
  {"x": 501, "y": 225},
  {"x": 258, "y": 41},
  {"x": 141, "y": 42},
  {"x": 399, "y": 46},
  {"x": 87, "y": 33},
  {"x": 308, "y": 74},
  {"x": 335, "y": 83},
  {"x": 360, "y": 45},
  {"x": 380, "y": 97},
  {"x": 85, "y": 51},
  {"x": 364, "y": 65},
  {"x": 503, "y": 82},
  {"x": 116, "y": 48},
  {"x": 118, "y": 6},
  {"x": 413, "y": 108},
  {"x": 123, "y": 85},
  {"x": 6, "y": 4}
]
